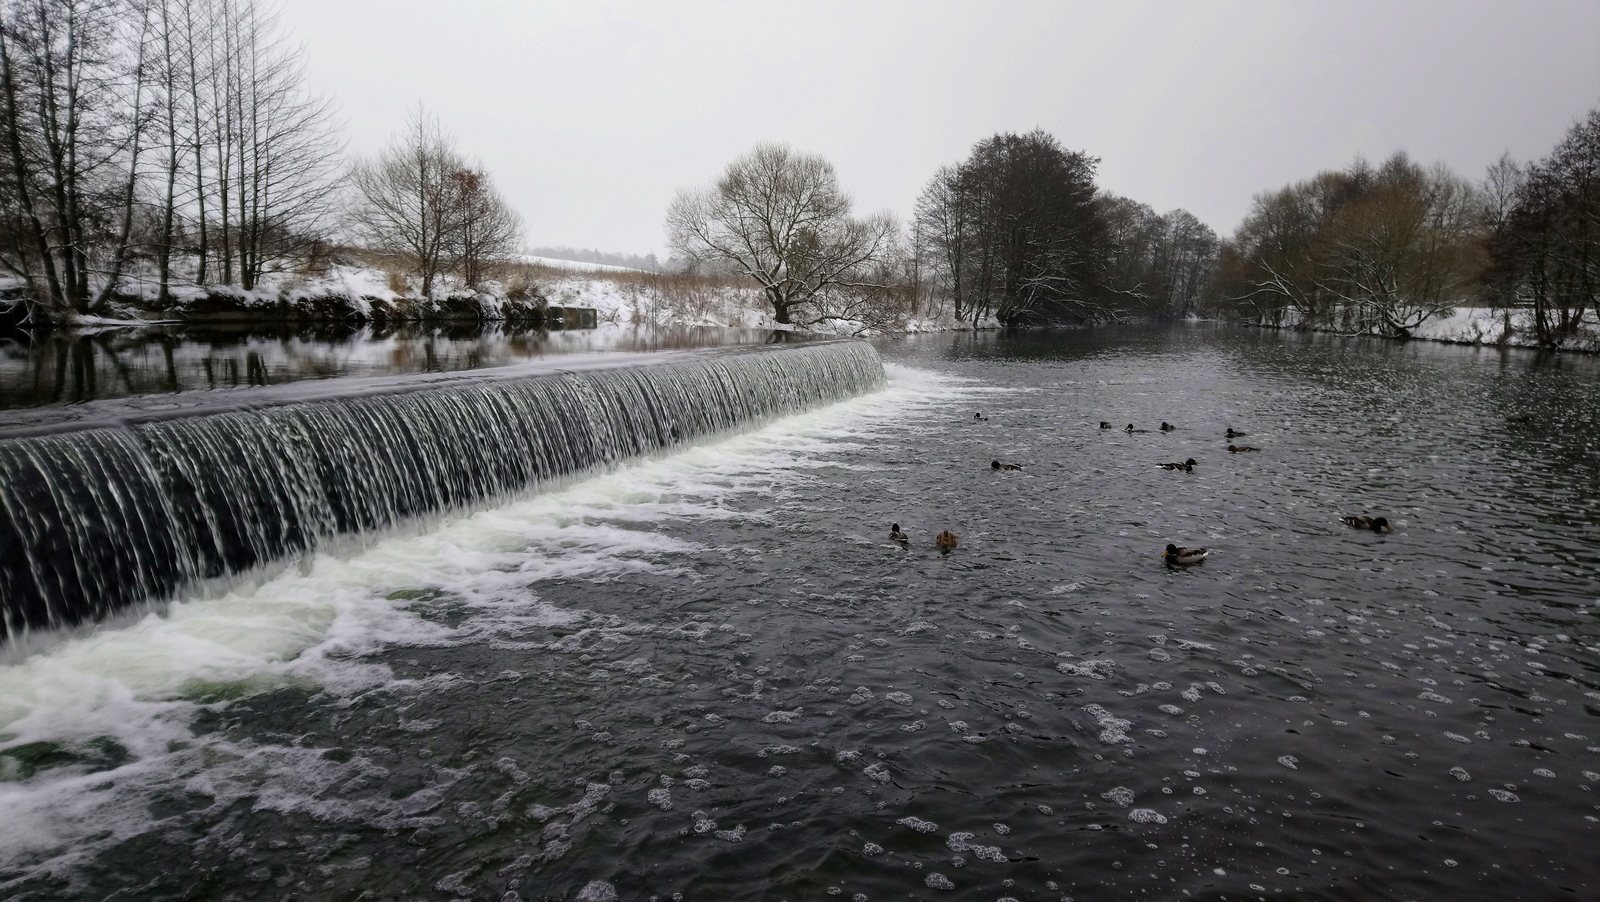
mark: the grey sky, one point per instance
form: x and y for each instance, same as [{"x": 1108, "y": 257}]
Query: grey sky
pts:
[{"x": 590, "y": 114}]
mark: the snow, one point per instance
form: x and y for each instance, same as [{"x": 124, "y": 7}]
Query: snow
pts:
[
  {"x": 619, "y": 295},
  {"x": 578, "y": 265},
  {"x": 1487, "y": 326}
]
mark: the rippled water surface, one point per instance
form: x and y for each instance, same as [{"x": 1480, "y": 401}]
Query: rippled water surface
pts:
[{"x": 712, "y": 675}]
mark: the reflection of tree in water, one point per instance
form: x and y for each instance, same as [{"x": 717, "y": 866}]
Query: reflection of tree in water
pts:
[{"x": 62, "y": 367}]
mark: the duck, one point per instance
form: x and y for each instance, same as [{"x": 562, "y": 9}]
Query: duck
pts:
[
  {"x": 946, "y": 540},
  {"x": 1104, "y": 425},
  {"x": 980, "y": 417},
  {"x": 1376, "y": 524},
  {"x": 1233, "y": 433},
  {"x": 1187, "y": 466},
  {"x": 1238, "y": 449},
  {"x": 895, "y": 535},
  {"x": 1130, "y": 430},
  {"x": 997, "y": 465},
  {"x": 1181, "y": 554},
  {"x": 1166, "y": 426}
]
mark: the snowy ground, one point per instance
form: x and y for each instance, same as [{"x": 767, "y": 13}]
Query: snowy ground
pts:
[{"x": 1486, "y": 326}]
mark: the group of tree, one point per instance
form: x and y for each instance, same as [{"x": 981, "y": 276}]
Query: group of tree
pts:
[
  {"x": 1018, "y": 232},
  {"x": 141, "y": 131},
  {"x": 1366, "y": 249},
  {"x": 1384, "y": 249},
  {"x": 422, "y": 201},
  {"x": 1162, "y": 265},
  {"x": 152, "y": 145},
  {"x": 1542, "y": 231}
]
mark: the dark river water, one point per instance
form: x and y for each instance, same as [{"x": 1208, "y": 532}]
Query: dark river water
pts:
[
  {"x": 49, "y": 369},
  {"x": 710, "y": 676}
]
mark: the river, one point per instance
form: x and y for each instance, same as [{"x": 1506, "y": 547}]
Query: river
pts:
[{"x": 709, "y": 675}]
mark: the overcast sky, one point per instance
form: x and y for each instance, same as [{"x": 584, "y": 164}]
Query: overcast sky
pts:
[{"x": 589, "y": 114}]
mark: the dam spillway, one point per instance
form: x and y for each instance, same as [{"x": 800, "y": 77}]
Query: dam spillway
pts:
[{"x": 96, "y": 518}]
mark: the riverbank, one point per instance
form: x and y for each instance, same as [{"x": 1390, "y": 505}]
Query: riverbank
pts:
[
  {"x": 363, "y": 294},
  {"x": 1479, "y": 326}
]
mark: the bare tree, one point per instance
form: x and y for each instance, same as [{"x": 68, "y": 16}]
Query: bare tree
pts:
[
  {"x": 285, "y": 147},
  {"x": 72, "y": 100},
  {"x": 1545, "y": 251},
  {"x": 485, "y": 232},
  {"x": 781, "y": 218},
  {"x": 405, "y": 204}
]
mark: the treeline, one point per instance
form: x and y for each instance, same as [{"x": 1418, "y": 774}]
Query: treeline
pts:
[
  {"x": 142, "y": 131},
  {"x": 172, "y": 147},
  {"x": 1018, "y": 232},
  {"x": 1384, "y": 249},
  {"x": 646, "y": 262}
]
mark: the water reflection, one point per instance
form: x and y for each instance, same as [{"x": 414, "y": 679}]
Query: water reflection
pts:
[{"x": 59, "y": 367}]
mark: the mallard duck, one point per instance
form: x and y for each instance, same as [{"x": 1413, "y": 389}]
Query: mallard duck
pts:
[
  {"x": 945, "y": 540},
  {"x": 895, "y": 535},
  {"x": 1376, "y": 524},
  {"x": 997, "y": 465},
  {"x": 1179, "y": 554},
  {"x": 1233, "y": 433},
  {"x": 1130, "y": 430},
  {"x": 1166, "y": 426},
  {"x": 1104, "y": 425},
  {"x": 1187, "y": 466},
  {"x": 1239, "y": 449}
]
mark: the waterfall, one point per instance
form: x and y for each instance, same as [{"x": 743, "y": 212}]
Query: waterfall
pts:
[{"x": 97, "y": 519}]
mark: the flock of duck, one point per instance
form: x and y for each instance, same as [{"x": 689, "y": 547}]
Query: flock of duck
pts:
[{"x": 1175, "y": 555}]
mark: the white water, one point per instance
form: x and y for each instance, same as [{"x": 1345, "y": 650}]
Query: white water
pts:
[{"x": 318, "y": 624}]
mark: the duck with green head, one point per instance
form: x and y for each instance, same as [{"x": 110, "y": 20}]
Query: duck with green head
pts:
[{"x": 1184, "y": 555}]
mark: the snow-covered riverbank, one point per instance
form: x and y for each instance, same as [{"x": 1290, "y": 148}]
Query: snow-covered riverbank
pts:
[{"x": 1483, "y": 326}]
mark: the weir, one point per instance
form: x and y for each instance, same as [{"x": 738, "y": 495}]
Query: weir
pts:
[{"x": 93, "y": 520}]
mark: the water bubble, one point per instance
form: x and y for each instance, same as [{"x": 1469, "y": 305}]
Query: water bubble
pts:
[
  {"x": 597, "y": 891},
  {"x": 1460, "y": 773},
  {"x": 1504, "y": 796},
  {"x": 1002, "y": 829},
  {"x": 1121, "y": 795},
  {"x": 1146, "y": 816},
  {"x": 938, "y": 881},
  {"x": 1174, "y": 710},
  {"x": 918, "y": 824},
  {"x": 1543, "y": 772},
  {"x": 872, "y": 848},
  {"x": 1449, "y": 862},
  {"x": 1045, "y": 810},
  {"x": 1289, "y": 761}
]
